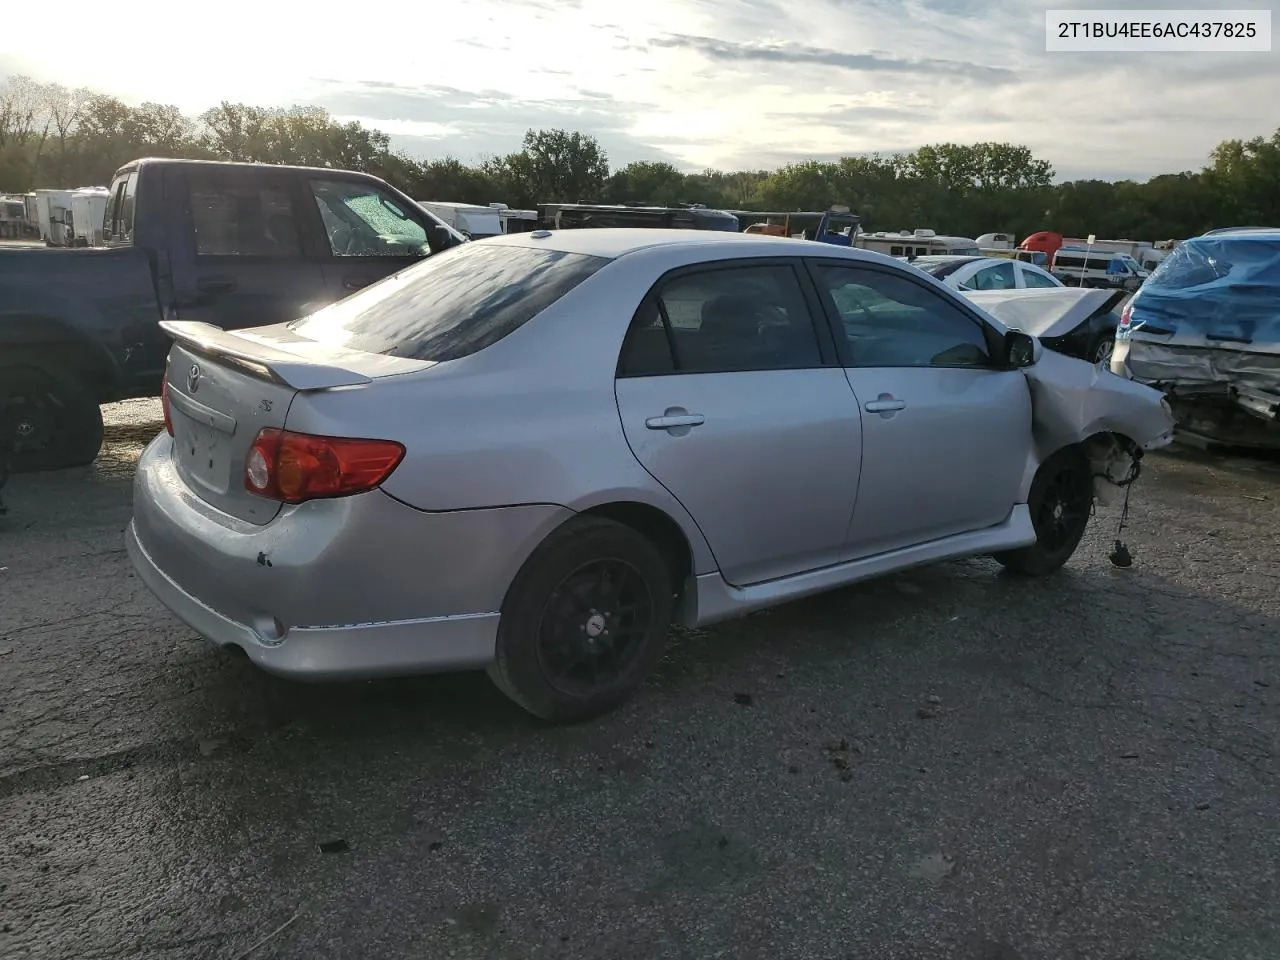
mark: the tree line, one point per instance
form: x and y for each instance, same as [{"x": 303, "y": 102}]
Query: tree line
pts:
[{"x": 52, "y": 136}]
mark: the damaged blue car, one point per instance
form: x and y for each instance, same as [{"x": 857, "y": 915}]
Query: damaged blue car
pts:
[{"x": 1205, "y": 329}]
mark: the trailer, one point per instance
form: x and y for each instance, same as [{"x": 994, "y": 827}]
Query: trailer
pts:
[
  {"x": 470, "y": 219},
  {"x": 516, "y": 221},
  {"x": 88, "y": 211},
  {"x": 54, "y": 217},
  {"x": 13, "y": 217},
  {"x": 917, "y": 243}
]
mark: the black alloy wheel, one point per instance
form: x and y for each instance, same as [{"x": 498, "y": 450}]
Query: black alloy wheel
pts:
[
  {"x": 594, "y": 626},
  {"x": 584, "y": 621},
  {"x": 1060, "y": 503}
]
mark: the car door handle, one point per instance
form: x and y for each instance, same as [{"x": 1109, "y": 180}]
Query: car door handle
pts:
[
  {"x": 215, "y": 284},
  {"x": 884, "y": 406},
  {"x": 351, "y": 284},
  {"x": 668, "y": 421}
]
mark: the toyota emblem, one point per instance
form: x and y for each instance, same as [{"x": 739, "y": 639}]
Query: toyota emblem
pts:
[{"x": 193, "y": 378}]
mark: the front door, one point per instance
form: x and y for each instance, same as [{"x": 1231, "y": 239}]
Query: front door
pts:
[
  {"x": 730, "y": 401},
  {"x": 945, "y": 432},
  {"x": 367, "y": 232},
  {"x": 245, "y": 262}
]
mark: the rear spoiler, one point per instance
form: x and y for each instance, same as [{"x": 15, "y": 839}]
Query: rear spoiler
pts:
[{"x": 260, "y": 359}]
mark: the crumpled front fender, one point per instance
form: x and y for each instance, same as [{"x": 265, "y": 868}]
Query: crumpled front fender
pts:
[{"x": 1072, "y": 401}]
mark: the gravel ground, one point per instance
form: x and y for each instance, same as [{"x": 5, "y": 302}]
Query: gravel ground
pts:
[{"x": 947, "y": 763}]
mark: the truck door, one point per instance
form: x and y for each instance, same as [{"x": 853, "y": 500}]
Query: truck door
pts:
[
  {"x": 365, "y": 231},
  {"x": 240, "y": 252}
]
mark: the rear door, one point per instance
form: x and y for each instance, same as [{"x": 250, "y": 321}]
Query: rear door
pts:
[
  {"x": 731, "y": 398},
  {"x": 365, "y": 231},
  {"x": 243, "y": 259},
  {"x": 945, "y": 432}
]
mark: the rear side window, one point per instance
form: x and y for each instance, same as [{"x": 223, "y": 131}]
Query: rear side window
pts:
[
  {"x": 451, "y": 305},
  {"x": 720, "y": 320},
  {"x": 234, "y": 218}
]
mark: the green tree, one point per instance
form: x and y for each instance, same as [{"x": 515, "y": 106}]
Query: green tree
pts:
[
  {"x": 648, "y": 181},
  {"x": 1245, "y": 177},
  {"x": 553, "y": 166}
]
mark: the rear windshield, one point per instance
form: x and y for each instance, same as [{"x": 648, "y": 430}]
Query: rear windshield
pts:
[
  {"x": 1208, "y": 259},
  {"x": 941, "y": 268},
  {"x": 452, "y": 304}
]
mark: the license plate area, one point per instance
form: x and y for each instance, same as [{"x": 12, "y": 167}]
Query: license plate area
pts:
[{"x": 204, "y": 453}]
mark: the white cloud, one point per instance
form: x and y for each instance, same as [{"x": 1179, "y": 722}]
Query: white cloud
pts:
[{"x": 729, "y": 83}]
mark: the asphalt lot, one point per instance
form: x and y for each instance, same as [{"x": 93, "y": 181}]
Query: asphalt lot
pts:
[{"x": 948, "y": 763}]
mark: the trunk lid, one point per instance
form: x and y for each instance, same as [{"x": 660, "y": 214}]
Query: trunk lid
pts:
[{"x": 224, "y": 387}]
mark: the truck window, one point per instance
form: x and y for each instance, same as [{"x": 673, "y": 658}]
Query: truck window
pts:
[
  {"x": 117, "y": 220},
  {"x": 235, "y": 218},
  {"x": 112, "y": 214},
  {"x": 364, "y": 221},
  {"x": 125, "y": 232}
]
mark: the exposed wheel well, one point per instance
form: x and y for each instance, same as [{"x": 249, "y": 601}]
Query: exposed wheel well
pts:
[
  {"x": 661, "y": 530},
  {"x": 1113, "y": 457}
]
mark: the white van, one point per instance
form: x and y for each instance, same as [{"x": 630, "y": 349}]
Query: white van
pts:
[{"x": 1097, "y": 268}]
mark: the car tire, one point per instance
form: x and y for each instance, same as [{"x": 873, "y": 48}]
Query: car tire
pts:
[
  {"x": 558, "y": 618},
  {"x": 51, "y": 421},
  {"x": 1101, "y": 349},
  {"x": 1061, "y": 502}
]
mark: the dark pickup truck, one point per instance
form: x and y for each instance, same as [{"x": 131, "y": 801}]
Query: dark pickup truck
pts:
[{"x": 232, "y": 244}]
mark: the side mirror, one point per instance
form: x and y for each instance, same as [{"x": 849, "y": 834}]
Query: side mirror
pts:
[
  {"x": 1020, "y": 350},
  {"x": 441, "y": 238}
]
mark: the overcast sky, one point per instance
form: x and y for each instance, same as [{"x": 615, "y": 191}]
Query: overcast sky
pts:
[{"x": 721, "y": 83}]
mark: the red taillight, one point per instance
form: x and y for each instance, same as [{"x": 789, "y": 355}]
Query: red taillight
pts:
[
  {"x": 164, "y": 404},
  {"x": 1126, "y": 315},
  {"x": 295, "y": 467}
]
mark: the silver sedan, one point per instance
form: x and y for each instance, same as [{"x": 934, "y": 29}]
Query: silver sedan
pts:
[{"x": 534, "y": 453}]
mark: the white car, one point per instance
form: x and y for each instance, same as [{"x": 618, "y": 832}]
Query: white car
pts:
[{"x": 986, "y": 273}]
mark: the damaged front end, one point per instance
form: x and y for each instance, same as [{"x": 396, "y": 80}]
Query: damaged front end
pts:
[{"x": 1112, "y": 419}]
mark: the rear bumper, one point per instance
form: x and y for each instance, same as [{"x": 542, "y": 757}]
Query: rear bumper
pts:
[
  {"x": 330, "y": 653},
  {"x": 333, "y": 589}
]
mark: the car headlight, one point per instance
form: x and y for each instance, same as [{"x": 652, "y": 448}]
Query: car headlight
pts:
[{"x": 1166, "y": 407}]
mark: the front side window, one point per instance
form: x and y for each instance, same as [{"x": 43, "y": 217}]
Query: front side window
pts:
[
  {"x": 234, "y": 216},
  {"x": 451, "y": 305},
  {"x": 721, "y": 320},
  {"x": 363, "y": 221},
  {"x": 892, "y": 321}
]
